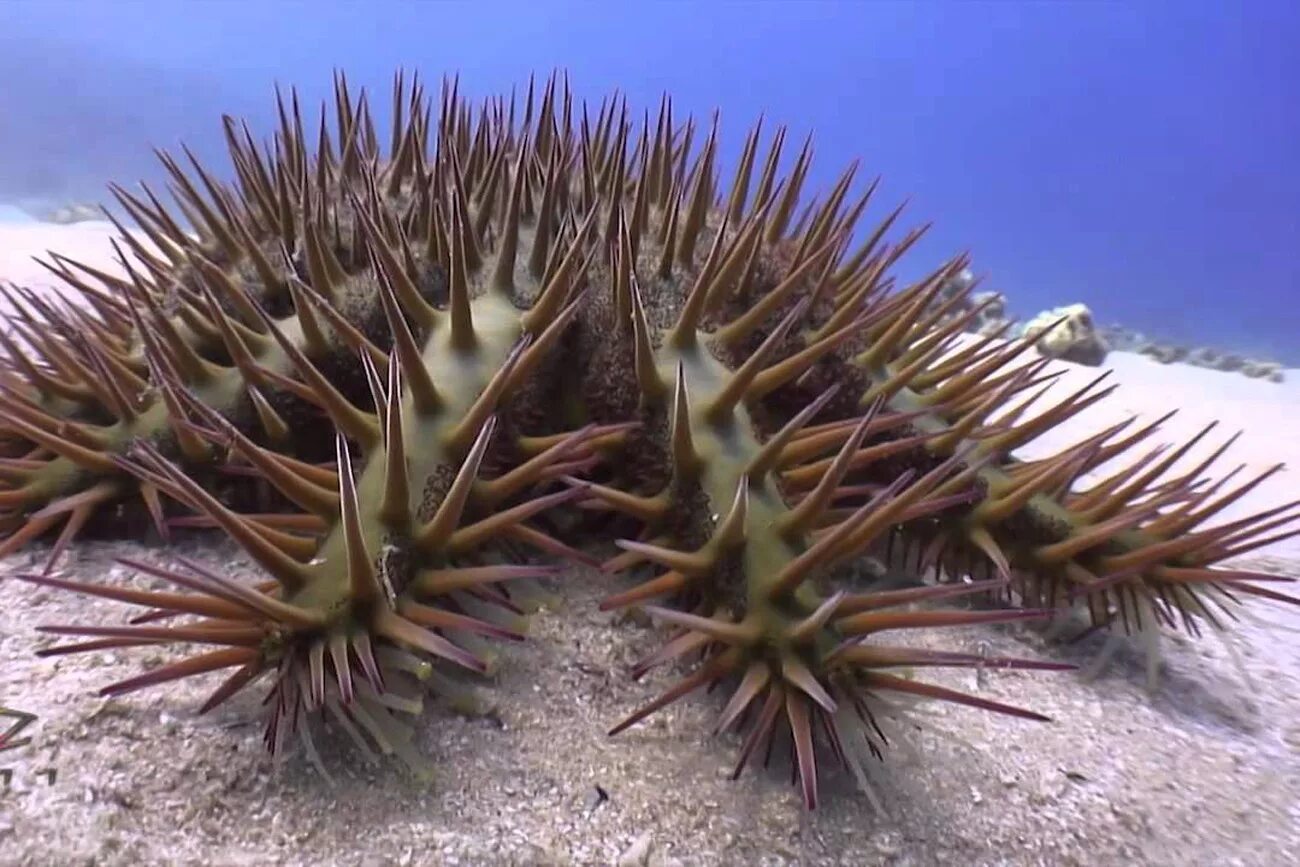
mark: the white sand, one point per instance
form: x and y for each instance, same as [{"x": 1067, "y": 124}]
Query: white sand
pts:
[
  {"x": 88, "y": 242},
  {"x": 1205, "y": 773},
  {"x": 1267, "y": 414}
]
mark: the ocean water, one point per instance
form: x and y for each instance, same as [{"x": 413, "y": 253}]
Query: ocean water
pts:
[{"x": 1139, "y": 157}]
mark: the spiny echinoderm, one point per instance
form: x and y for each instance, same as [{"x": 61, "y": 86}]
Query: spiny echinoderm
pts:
[{"x": 517, "y": 335}]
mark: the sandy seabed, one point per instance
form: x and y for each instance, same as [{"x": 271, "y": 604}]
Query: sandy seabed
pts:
[{"x": 1205, "y": 772}]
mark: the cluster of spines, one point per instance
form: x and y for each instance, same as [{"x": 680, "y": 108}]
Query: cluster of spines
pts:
[
  {"x": 794, "y": 410},
  {"x": 1130, "y": 549},
  {"x": 752, "y": 571},
  {"x": 394, "y": 558}
]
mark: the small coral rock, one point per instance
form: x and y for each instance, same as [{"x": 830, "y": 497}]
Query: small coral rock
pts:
[
  {"x": 1122, "y": 339},
  {"x": 66, "y": 215},
  {"x": 1230, "y": 362},
  {"x": 1270, "y": 370},
  {"x": 1074, "y": 339},
  {"x": 994, "y": 305},
  {"x": 957, "y": 284},
  {"x": 1163, "y": 353}
]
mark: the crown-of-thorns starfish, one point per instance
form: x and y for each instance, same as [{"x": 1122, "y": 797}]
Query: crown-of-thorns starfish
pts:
[{"x": 414, "y": 353}]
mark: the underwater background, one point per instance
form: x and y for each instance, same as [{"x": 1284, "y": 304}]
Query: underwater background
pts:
[
  {"x": 1138, "y": 157},
  {"x": 812, "y": 455}
]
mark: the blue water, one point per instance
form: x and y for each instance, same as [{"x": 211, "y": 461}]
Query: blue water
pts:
[{"x": 1140, "y": 157}]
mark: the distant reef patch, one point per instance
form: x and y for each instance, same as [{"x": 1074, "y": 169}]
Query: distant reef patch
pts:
[
  {"x": 1131, "y": 340},
  {"x": 1078, "y": 338}
]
